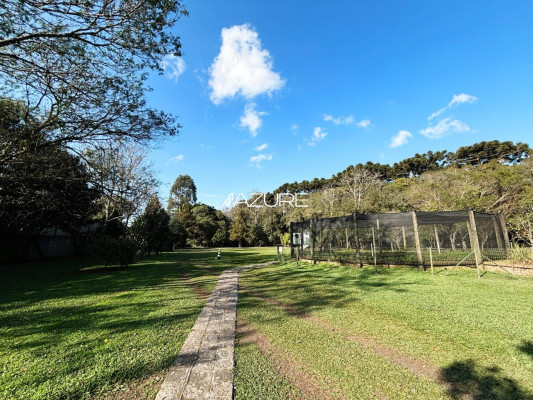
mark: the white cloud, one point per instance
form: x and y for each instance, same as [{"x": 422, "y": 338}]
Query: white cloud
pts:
[
  {"x": 176, "y": 159},
  {"x": 462, "y": 98},
  {"x": 242, "y": 66},
  {"x": 365, "y": 123},
  {"x": 261, "y": 147},
  {"x": 340, "y": 120},
  {"x": 349, "y": 120},
  {"x": 456, "y": 100},
  {"x": 173, "y": 66},
  {"x": 318, "y": 135},
  {"x": 258, "y": 159},
  {"x": 251, "y": 119},
  {"x": 294, "y": 127},
  {"x": 445, "y": 127},
  {"x": 400, "y": 139}
]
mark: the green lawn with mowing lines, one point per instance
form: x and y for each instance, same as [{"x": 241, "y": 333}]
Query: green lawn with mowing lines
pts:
[
  {"x": 477, "y": 333},
  {"x": 256, "y": 376},
  {"x": 71, "y": 330}
]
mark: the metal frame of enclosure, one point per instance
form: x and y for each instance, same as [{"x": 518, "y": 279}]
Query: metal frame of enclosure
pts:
[{"x": 408, "y": 238}]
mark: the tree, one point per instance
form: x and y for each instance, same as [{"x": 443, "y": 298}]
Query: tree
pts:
[
  {"x": 40, "y": 187},
  {"x": 521, "y": 215},
  {"x": 483, "y": 152},
  {"x": 205, "y": 225},
  {"x": 358, "y": 182},
  {"x": 220, "y": 237},
  {"x": 239, "y": 228},
  {"x": 123, "y": 175},
  {"x": 83, "y": 65},
  {"x": 178, "y": 234},
  {"x": 182, "y": 192},
  {"x": 151, "y": 229}
]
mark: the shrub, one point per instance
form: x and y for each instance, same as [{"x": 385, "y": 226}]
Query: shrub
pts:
[{"x": 114, "y": 250}]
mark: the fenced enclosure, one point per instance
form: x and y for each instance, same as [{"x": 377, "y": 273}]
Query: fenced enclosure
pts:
[{"x": 409, "y": 238}]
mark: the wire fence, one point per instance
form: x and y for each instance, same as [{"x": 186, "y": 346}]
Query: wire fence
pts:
[{"x": 408, "y": 238}]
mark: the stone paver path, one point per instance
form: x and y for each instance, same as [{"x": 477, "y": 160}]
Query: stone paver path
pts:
[{"x": 204, "y": 366}]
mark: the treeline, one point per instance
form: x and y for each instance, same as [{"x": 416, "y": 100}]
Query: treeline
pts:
[
  {"x": 109, "y": 186},
  {"x": 487, "y": 176},
  {"x": 507, "y": 153}
]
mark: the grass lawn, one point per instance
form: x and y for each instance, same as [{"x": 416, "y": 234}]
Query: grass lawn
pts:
[
  {"x": 71, "y": 330},
  {"x": 400, "y": 334}
]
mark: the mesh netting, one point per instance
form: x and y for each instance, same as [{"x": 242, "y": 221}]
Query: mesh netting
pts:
[{"x": 409, "y": 238}]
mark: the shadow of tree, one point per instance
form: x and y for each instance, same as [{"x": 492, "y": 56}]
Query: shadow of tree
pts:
[
  {"x": 466, "y": 380},
  {"x": 526, "y": 347},
  {"x": 309, "y": 288},
  {"x": 63, "y": 309}
]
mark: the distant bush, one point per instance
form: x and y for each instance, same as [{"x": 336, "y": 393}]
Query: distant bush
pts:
[
  {"x": 114, "y": 250},
  {"x": 521, "y": 255},
  {"x": 125, "y": 251}
]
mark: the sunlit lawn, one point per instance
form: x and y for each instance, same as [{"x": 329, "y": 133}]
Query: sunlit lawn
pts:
[
  {"x": 474, "y": 335},
  {"x": 71, "y": 330}
]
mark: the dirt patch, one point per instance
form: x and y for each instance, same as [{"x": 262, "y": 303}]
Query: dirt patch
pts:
[
  {"x": 198, "y": 291},
  {"x": 139, "y": 389},
  {"x": 286, "y": 365},
  {"x": 417, "y": 367}
]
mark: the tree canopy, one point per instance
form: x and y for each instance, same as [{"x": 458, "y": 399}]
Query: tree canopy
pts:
[
  {"x": 43, "y": 186},
  {"x": 81, "y": 65},
  {"x": 182, "y": 192}
]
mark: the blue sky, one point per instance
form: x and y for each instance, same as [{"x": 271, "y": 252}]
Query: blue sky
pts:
[{"x": 327, "y": 85}]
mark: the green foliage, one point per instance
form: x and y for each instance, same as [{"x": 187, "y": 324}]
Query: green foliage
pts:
[
  {"x": 483, "y": 152},
  {"x": 206, "y": 224},
  {"x": 83, "y": 64},
  {"x": 178, "y": 233},
  {"x": 487, "y": 177},
  {"x": 220, "y": 237},
  {"x": 286, "y": 239},
  {"x": 506, "y": 153},
  {"x": 199, "y": 225},
  {"x": 151, "y": 231},
  {"x": 114, "y": 250},
  {"x": 521, "y": 255},
  {"x": 182, "y": 192},
  {"x": 125, "y": 251},
  {"x": 40, "y": 186},
  {"x": 239, "y": 228}
]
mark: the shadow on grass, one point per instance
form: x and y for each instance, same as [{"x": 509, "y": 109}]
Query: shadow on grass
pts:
[
  {"x": 527, "y": 348},
  {"x": 466, "y": 380},
  {"x": 313, "y": 287},
  {"x": 67, "y": 307}
]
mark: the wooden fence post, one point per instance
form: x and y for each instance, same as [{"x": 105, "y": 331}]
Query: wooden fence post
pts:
[
  {"x": 379, "y": 236},
  {"x": 290, "y": 233},
  {"x": 437, "y": 238},
  {"x": 312, "y": 239},
  {"x": 474, "y": 240},
  {"x": 497, "y": 232},
  {"x": 357, "y": 244},
  {"x": 302, "y": 241},
  {"x": 347, "y": 238},
  {"x": 417, "y": 242},
  {"x": 374, "y": 246},
  {"x": 505, "y": 232}
]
